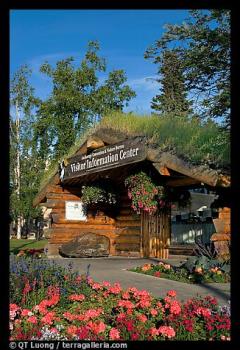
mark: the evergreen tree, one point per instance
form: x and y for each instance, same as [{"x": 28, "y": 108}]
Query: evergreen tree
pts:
[
  {"x": 203, "y": 45},
  {"x": 173, "y": 97}
]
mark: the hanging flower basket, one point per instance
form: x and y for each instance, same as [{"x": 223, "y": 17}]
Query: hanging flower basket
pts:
[
  {"x": 147, "y": 196},
  {"x": 98, "y": 195}
]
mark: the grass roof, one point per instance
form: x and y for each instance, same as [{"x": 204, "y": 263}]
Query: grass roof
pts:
[{"x": 196, "y": 142}]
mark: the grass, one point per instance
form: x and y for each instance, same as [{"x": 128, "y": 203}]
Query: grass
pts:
[
  {"x": 192, "y": 140},
  {"x": 200, "y": 143},
  {"x": 21, "y": 244}
]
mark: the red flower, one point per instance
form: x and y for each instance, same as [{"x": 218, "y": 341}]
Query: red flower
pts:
[
  {"x": 171, "y": 293},
  {"x": 157, "y": 274}
]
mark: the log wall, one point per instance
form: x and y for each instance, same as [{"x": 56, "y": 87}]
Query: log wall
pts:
[{"x": 122, "y": 228}]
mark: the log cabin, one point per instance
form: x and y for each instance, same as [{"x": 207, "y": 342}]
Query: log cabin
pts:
[{"x": 112, "y": 156}]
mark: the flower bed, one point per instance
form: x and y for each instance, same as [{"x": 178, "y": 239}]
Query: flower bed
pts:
[
  {"x": 53, "y": 303},
  {"x": 34, "y": 253},
  {"x": 188, "y": 272}
]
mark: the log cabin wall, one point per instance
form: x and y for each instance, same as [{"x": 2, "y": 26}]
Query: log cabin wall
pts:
[
  {"x": 122, "y": 228},
  {"x": 128, "y": 229}
]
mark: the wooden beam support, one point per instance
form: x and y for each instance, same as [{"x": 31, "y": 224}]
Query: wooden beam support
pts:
[
  {"x": 224, "y": 181},
  {"x": 185, "y": 181},
  {"x": 200, "y": 173},
  {"x": 94, "y": 142},
  {"x": 163, "y": 170}
]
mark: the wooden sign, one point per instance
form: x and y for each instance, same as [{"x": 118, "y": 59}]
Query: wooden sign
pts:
[{"x": 119, "y": 154}]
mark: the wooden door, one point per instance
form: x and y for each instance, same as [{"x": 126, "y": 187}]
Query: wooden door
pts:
[{"x": 155, "y": 234}]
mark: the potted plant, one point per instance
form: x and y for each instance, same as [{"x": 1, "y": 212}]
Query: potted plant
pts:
[{"x": 99, "y": 195}]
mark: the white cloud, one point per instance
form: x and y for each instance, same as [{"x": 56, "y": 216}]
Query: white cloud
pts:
[{"x": 144, "y": 83}]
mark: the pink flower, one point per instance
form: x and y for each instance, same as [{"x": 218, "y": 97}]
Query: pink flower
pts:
[
  {"x": 167, "y": 266},
  {"x": 126, "y": 304},
  {"x": 76, "y": 297},
  {"x": 175, "y": 308},
  {"x": 114, "y": 334},
  {"x": 171, "y": 293},
  {"x": 144, "y": 303},
  {"x": 121, "y": 317},
  {"x": 32, "y": 319},
  {"x": 97, "y": 327},
  {"x": 14, "y": 307},
  {"x": 134, "y": 336},
  {"x": 92, "y": 313},
  {"x": 157, "y": 274},
  {"x": 153, "y": 331},
  {"x": 115, "y": 289},
  {"x": 106, "y": 284},
  {"x": 48, "y": 318},
  {"x": 153, "y": 312},
  {"x": 126, "y": 295},
  {"x": 26, "y": 312},
  {"x": 69, "y": 316},
  {"x": 202, "y": 311},
  {"x": 72, "y": 330},
  {"x": 142, "y": 318},
  {"x": 96, "y": 286},
  {"x": 167, "y": 331}
]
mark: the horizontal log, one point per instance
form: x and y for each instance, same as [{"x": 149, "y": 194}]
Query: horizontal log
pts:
[
  {"x": 126, "y": 218},
  {"x": 128, "y": 223},
  {"x": 185, "y": 181},
  {"x": 136, "y": 231},
  {"x": 125, "y": 211},
  {"x": 69, "y": 235},
  {"x": 65, "y": 190},
  {"x": 55, "y": 203},
  {"x": 201, "y": 173},
  {"x": 128, "y": 246},
  {"x": 63, "y": 196},
  {"x": 129, "y": 239}
]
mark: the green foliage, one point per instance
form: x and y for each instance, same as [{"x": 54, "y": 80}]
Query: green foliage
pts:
[
  {"x": 173, "y": 97},
  {"x": 77, "y": 100},
  {"x": 203, "y": 46},
  {"x": 194, "y": 270},
  {"x": 193, "y": 140},
  {"x": 100, "y": 192},
  {"x": 25, "y": 165},
  {"x": 21, "y": 244}
]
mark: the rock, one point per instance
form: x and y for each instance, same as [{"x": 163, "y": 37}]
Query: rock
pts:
[
  {"x": 86, "y": 246},
  {"x": 221, "y": 243}
]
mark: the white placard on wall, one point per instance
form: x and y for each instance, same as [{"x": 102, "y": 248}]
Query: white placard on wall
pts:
[{"x": 75, "y": 210}]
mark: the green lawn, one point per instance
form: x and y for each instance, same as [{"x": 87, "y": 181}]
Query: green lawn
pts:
[{"x": 19, "y": 244}]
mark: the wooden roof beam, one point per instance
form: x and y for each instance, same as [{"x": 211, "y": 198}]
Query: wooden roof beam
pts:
[
  {"x": 163, "y": 170},
  {"x": 185, "y": 181},
  {"x": 200, "y": 173}
]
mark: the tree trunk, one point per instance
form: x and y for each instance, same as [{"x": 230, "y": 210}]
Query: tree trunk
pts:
[{"x": 17, "y": 169}]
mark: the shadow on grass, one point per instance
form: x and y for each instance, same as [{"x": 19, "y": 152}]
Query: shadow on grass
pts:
[{"x": 17, "y": 249}]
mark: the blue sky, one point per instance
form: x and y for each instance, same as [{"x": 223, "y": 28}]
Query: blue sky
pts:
[{"x": 124, "y": 35}]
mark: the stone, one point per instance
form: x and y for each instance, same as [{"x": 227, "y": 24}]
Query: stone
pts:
[
  {"x": 88, "y": 245},
  {"x": 221, "y": 243}
]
